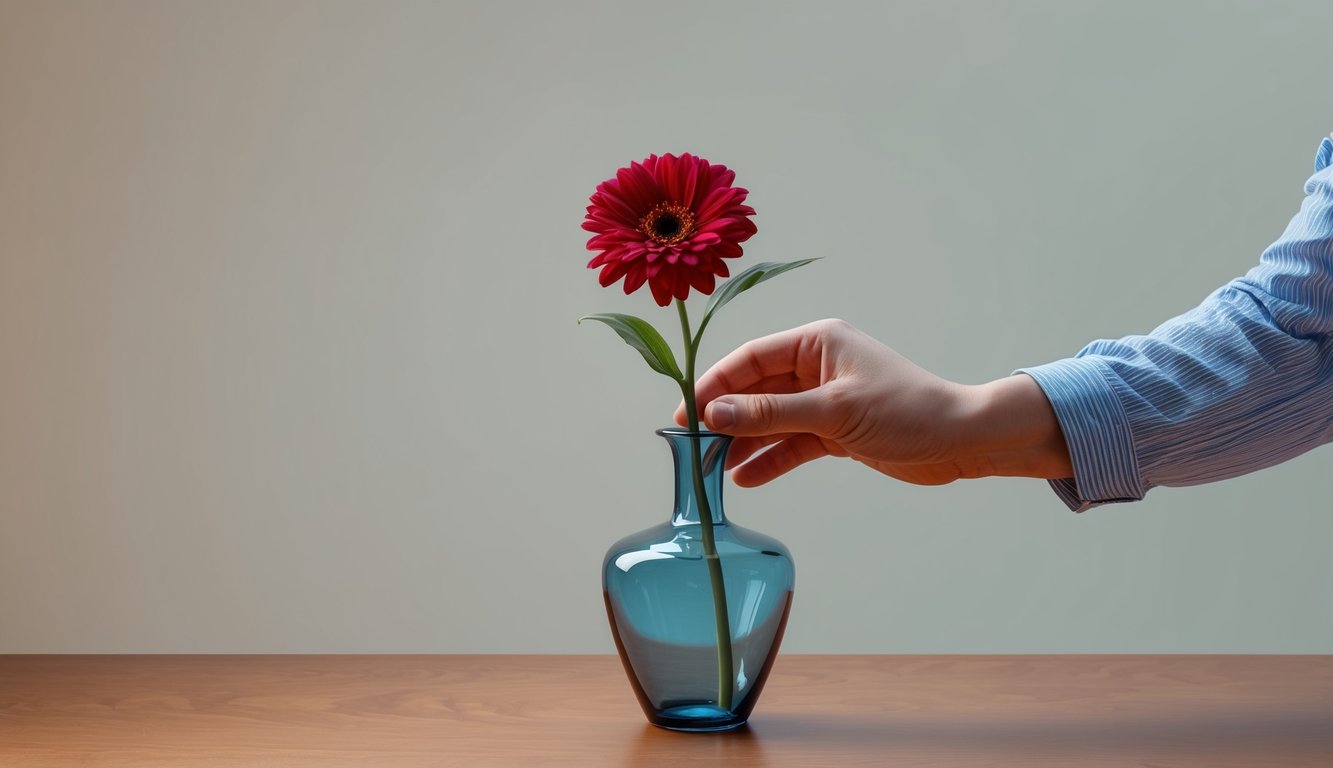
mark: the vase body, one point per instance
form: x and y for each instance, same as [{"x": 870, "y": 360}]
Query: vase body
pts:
[{"x": 660, "y": 594}]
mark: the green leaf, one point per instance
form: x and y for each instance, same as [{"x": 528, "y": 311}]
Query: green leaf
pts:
[
  {"x": 644, "y": 337},
  {"x": 745, "y": 281}
]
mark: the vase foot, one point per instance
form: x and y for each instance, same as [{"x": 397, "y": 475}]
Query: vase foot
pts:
[{"x": 697, "y": 718}]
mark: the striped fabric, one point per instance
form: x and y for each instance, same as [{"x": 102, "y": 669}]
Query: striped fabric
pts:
[{"x": 1241, "y": 382}]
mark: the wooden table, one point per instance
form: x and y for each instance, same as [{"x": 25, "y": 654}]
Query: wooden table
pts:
[{"x": 272, "y": 711}]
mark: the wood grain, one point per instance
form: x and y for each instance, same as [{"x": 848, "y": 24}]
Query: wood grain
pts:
[{"x": 409, "y": 711}]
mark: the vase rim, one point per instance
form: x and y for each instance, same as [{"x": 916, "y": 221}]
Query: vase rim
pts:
[{"x": 686, "y": 432}]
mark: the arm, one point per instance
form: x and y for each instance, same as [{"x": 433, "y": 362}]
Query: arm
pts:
[{"x": 1242, "y": 382}]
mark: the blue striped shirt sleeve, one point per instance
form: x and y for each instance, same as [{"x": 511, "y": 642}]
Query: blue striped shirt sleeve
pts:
[{"x": 1241, "y": 382}]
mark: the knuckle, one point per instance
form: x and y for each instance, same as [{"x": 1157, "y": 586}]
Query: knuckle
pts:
[
  {"x": 721, "y": 378},
  {"x": 831, "y": 333},
  {"x": 763, "y": 410},
  {"x": 845, "y": 418},
  {"x": 832, "y": 325},
  {"x": 837, "y": 396}
]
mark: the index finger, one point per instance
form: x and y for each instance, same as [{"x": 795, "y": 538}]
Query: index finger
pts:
[
  {"x": 792, "y": 353},
  {"x": 782, "y": 384}
]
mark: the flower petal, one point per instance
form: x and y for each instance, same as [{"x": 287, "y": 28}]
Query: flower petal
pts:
[
  {"x": 661, "y": 288},
  {"x": 702, "y": 281},
  {"x": 718, "y": 200},
  {"x": 727, "y": 250},
  {"x": 680, "y": 285},
  {"x": 612, "y": 272},
  {"x": 635, "y": 278},
  {"x": 668, "y": 177},
  {"x": 640, "y": 188},
  {"x": 691, "y": 179},
  {"x": 702, "y": 242},
  {"x": 613, "y": 239},
  {"x": 617, "y": 208}
]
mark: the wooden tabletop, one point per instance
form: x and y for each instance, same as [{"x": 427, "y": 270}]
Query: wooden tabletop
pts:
[{"x": 939, "y": 711}]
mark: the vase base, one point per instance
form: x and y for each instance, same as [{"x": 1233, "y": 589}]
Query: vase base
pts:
[{"x": 697, "y": 718}]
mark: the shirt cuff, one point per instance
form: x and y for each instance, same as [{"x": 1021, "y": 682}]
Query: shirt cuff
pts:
[{"x": 1096, "y": 431}]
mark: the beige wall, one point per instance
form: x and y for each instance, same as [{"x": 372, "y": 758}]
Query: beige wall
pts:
[{"x": 288, "y": 359}]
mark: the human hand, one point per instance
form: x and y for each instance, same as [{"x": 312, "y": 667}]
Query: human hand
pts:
[{"x": 828, "y": 389}]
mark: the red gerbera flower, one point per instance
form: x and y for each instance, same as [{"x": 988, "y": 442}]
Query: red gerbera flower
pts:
[{"x": 668, "y": 221}]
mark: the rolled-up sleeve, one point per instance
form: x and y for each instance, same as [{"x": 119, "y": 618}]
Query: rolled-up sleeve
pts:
[{"x": 1241, "y": 382}]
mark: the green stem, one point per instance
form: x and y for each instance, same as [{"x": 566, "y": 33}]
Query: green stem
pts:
[{"x": 725, "y": 676}]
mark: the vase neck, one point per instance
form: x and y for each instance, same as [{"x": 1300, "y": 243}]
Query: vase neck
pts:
[{"x": 711, "y": 448}]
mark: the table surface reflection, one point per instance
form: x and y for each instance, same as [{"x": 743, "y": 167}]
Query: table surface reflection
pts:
[{"x": 502, "y": 710}]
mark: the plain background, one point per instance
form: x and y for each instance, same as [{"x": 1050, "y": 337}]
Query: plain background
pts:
[{"x": 288, "y": 353}]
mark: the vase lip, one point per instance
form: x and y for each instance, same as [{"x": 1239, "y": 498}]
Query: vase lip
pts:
[{"x": 686, "y": 432}]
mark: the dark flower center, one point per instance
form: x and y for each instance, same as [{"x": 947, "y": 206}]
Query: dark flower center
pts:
[{"x": 667, "y": 223}]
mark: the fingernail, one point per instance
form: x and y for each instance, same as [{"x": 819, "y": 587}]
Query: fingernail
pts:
[{"x": 721, "y": 414}]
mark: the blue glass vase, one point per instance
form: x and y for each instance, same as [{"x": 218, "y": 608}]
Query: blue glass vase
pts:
[{"x": 667, "y": 594}]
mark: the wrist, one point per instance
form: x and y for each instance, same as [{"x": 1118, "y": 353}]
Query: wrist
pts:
[{"x": 1007, "y": 427}]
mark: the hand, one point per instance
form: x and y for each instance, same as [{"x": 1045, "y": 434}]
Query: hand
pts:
[{"x": 827, "y": 389}]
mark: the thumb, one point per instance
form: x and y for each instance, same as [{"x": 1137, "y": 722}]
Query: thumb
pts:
[{"x": 767, "y": 414}]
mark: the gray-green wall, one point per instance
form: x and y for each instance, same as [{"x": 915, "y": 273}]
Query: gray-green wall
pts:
[{"x": 288, "y": 359}]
